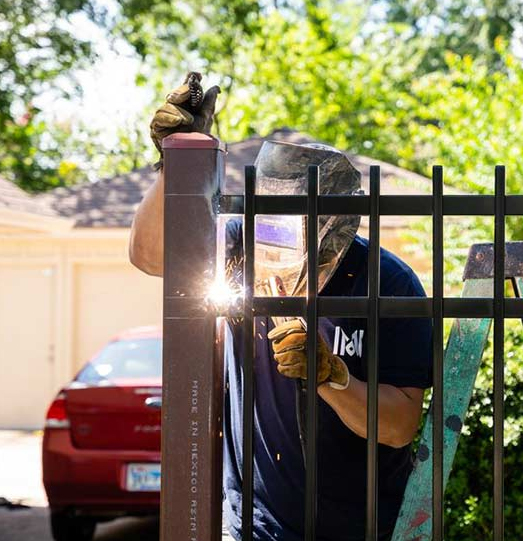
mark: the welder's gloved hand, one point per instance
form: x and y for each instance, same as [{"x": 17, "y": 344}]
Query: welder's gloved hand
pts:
[
  {"x": 289, "y": 342},
  {"x": 186, "y": 109}
]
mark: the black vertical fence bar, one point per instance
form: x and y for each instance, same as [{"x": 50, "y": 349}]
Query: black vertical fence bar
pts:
[
  {"x": 499, "y": 336},
  {"x": 312, "y": 334},
  {"x": 248, "y": 353},
  {"x": 371, "y": 527},
  {"x": 437, "y": 337}
]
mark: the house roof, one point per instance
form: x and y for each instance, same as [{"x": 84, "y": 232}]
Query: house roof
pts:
[
  {"x": 394, "y": 180},
  {"x": 21, "y": 210},
  {"x": 112, "y": 202},
  {"x": 15, "y": 199}
]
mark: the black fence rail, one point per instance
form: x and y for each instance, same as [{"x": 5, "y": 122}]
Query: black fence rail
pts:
[{"x": 373, "y": 307}]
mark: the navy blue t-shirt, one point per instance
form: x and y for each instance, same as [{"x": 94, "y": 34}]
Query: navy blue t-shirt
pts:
[{"x": 405, "y": 360}]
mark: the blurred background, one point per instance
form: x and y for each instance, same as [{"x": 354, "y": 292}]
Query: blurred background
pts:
[{"x": 406, "y": 84}]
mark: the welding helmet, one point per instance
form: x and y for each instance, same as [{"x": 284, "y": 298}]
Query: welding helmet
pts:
[{"x": 281, "y": 247}]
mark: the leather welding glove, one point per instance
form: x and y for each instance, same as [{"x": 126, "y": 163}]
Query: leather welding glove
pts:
[
  {"x": 178, "y": 114},
  {"x": 289, "y": 341}
]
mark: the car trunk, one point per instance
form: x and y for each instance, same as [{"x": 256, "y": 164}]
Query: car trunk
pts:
[{"x": 123, "y": 416}]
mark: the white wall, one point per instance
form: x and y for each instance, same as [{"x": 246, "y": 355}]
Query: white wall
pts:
[{"x": 62, "y": 296}]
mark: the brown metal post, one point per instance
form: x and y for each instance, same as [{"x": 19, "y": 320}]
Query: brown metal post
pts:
[{"x": 192, "y": 372}]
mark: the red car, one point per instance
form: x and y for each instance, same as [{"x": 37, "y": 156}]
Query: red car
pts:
[{"x": 101, "y": 448}]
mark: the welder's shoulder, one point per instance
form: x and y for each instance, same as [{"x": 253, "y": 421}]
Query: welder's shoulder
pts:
[{"x": 398, "y": 278}]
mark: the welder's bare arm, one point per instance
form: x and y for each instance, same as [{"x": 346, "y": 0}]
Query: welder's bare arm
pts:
[
  {"x": 146, "y": 243},
  {"x": 399, "y": 410}
]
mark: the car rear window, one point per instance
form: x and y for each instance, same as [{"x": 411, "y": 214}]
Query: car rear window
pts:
[{"x": 141, "y": 358}]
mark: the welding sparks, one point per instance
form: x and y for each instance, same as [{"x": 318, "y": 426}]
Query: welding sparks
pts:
[
  {"x": 224, "y": 292},
  {"x": 223, "y": 295}
]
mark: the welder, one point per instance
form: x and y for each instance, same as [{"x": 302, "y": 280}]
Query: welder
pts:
[{"x": 405, "y": 363}]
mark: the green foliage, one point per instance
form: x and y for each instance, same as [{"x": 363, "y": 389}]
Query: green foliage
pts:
[
  {"x": 348, "y": 95},
  {"x": 405, "y": 84},
  {"x": 176, "y": 37},
  {"x": 36, "y": 49},
  {"x": 316, "y": 66},
  {"x": 312, "y": 67},
  {"x": 464, "y": 27},
  {"x": 469, "y": 492},
  {"x": 470, "y": 121}
]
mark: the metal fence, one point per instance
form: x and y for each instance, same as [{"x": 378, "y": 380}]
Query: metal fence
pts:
[
  {"x": 373, "y": 307},
  {"x": 192, "y": 374}
]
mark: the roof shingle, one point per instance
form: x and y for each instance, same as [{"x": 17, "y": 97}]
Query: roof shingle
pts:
[
  {"x": 112, "y": 202},
  {"x": 14, "y": 198}
]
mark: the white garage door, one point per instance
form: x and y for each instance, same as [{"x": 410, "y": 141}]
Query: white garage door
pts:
[
  {"x": 26, "y": 342},
  {"x": 109, "y": 299}
]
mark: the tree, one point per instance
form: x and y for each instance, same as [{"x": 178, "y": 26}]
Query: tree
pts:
[
  {"x": 302, "y": 64},
  {"x": 465, "y": 27},
  {"x": 37, "y": 49}
]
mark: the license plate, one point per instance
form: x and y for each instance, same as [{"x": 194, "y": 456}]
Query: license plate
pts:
[{"x": 143, "y": 477}]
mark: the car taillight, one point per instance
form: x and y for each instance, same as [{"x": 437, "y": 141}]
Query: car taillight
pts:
[{"x": 56, "y": 414}]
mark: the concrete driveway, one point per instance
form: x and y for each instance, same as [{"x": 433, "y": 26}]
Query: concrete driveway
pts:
[
  {"x": 21, "y": 485},
  {"x": 32, "y": 524}
]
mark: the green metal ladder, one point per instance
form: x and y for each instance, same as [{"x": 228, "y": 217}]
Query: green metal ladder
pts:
[{"x": 463, "y": 354}]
